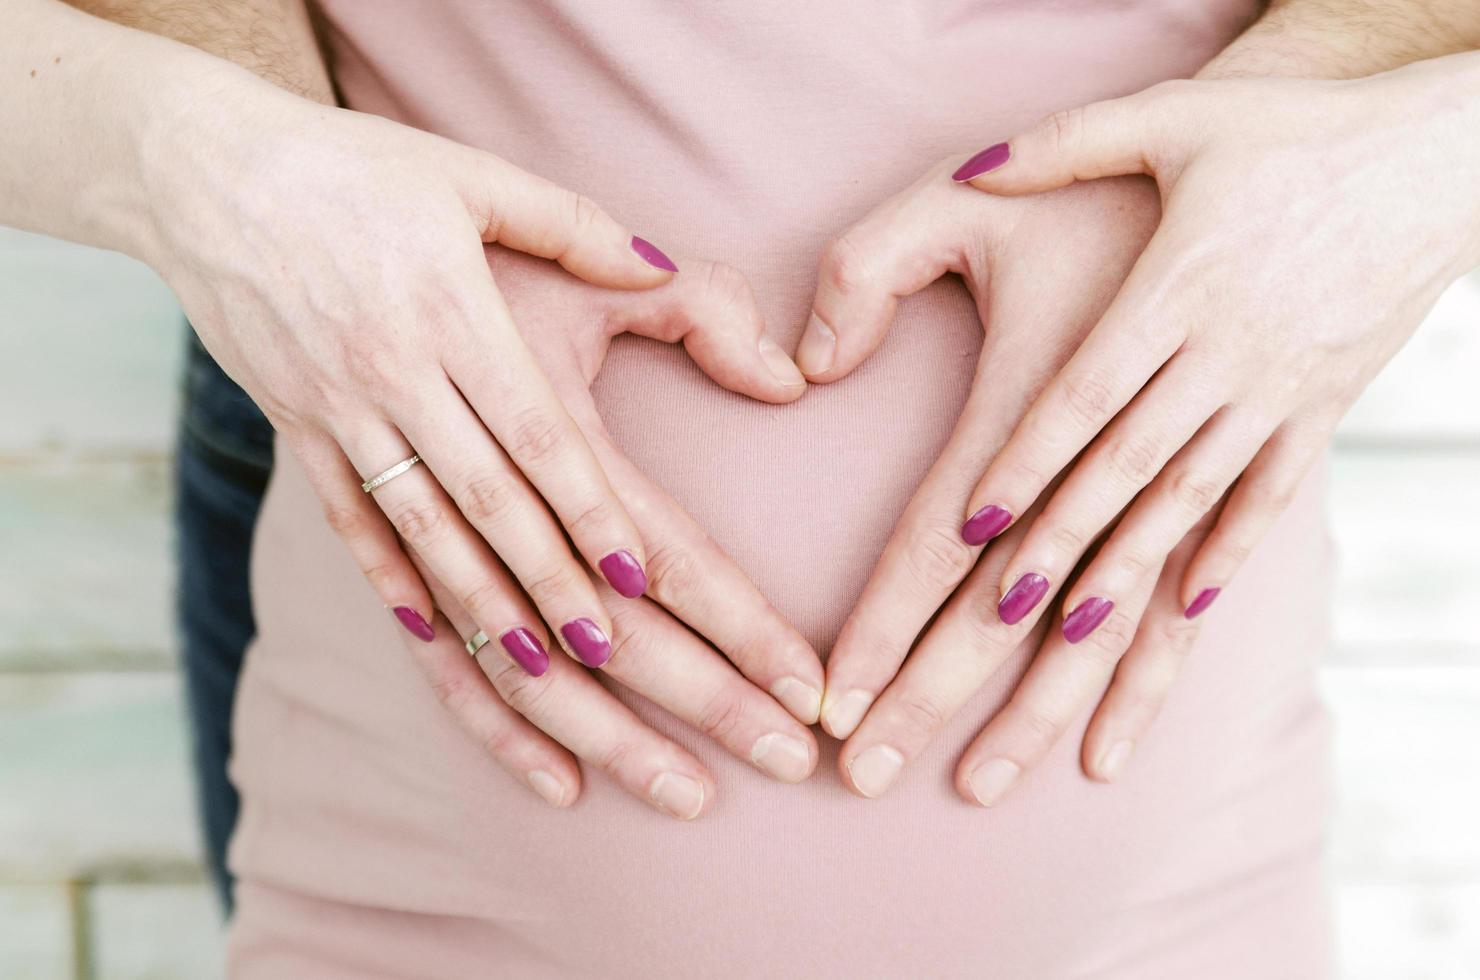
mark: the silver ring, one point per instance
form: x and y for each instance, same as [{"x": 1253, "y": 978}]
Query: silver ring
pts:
[
  {"x": 385, "y": 476},
  {"x": 477, "y": 642}
]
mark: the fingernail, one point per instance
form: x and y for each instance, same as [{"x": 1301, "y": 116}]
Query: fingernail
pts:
[
  {"x": 780, "y": 366},
  {"x": 652, "y": 255},
  {"x": 1113, "y": 761},
  {"x": 873, "y": 770},
  {"x": 800, "y": 698},
  {"x": 1025, "y": 593},
  {"x": 547, "y": 786},
  {"x": 841, "y": 716},
  {"x": 525, "y": 650},
  {"x": 588, "y": 642},
  {"x": 415, "y": 625},
  {"x": 991, "y": 780},
  {"x": 782, "y": 756},
  {"x": 679, "y": 795},
  {"x": 984, "y": 162},
  {"x": 1201, "y": 603},
  {"x": 1086, "y": 618},
  {"x": 819, "y": 343},
  {"x": 624, "y": 573},
  {"x": 985, "y": 525}
]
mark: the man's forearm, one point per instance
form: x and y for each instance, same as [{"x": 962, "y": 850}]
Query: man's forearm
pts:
[
  {"x": 273, "y": 38},
  {"x": 1347, "y": 38}
]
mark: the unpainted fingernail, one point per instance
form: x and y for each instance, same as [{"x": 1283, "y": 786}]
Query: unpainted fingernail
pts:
[
  {"x": 652, "y": 255},
  {"x": 984, "y": 162},
  {"x": 677, "y": 794},
  {"x": 1200, "y": 605},
  {"x": 588, "y": 641},
  {"x": 547, "y": 786},
  {"x": 819, "y": 345},
  {"x": 780, "y": 366},
  {"x": 624, "y": 573},
  {"x": 1086, "y": 618},
  {"x": 991, "y": 780},
  {"x": 415, "y": 624},
  {"x": 800, "y": 698},
  {"x": 841, "y": 716},
  {"x": 1114, "y": 760},
  {"x": 525, "y": 649},
  {"x": 985, "y": 525},
  {"x": 782, "y": 756},
  {"x": 874, "y": 769},
  {"x": 1025, "y": 593}
]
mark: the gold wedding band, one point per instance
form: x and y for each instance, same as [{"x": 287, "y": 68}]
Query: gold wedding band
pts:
[
  {"x": 477, "y": 642},
  {"x": 385, "y": 476}
]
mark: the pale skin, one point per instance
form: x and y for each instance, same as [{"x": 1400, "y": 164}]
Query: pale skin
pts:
[
  {"x": 371, "y": 322},
  {"x": 1262, "y": 338},
  {"x": 343, "y": 395}
]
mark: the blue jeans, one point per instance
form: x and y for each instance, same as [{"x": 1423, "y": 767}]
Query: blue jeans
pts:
[{"x": 223, "y": 457}]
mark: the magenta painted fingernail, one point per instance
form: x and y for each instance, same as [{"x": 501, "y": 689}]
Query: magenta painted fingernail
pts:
[
  {"x": 415, "y": 625},
  {"x": 1086, "y": 618},
  {"x": 652, "y": 255},
  {"x": 1201, "y": 603},
  {"x": 985, "y": 525},
  {"x": 525, "y": 650},
  {"x": 984, "y": 162},
  {"x": 587, "y": 640},
  {"x": 624, "y": 573},
  {"x": 1025, "y": 593}
]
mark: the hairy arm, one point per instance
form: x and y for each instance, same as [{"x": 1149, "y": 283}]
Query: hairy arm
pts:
[
  {"x": 273, "y": 38},
  {"x": 1347, "y": 38}
]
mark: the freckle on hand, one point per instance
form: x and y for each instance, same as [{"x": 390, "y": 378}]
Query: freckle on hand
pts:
[{"x": 33, "y": 73}]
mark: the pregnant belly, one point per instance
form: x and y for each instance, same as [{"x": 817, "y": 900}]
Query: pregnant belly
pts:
[{"x": 358, "y": 789}]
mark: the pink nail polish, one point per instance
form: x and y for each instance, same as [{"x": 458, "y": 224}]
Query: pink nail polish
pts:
[
  {"x": 1086, "y": 618},
  {"x": 525, "y": 650},
  {"x": 1025, "y": 593},
  {"x": 1199, "y": 605},
  {"x": 984, "y": 162},
  {"x": 985, "y": 525},
  {"x": 415, "y": 625},
  {"x": 624, "y": 573},
  {"x": 588, "y": 642},
  {"x": 652, "y": 255}
]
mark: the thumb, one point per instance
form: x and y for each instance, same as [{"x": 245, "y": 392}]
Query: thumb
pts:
[
  {"x": 1103, "y": 139},
  {"x": 897, "y": 250},
  {"x": 522, "y": 211},
  {"x": 713, "y": 311}
]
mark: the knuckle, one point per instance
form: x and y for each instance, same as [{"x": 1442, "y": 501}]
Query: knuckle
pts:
[
  {"x": 600, "y": 514},
  {"x": 545, "y": 588},
  {"x": 844, "y": 267},
  {"x": 615, "y": 757},
  {"x": 1040, "y": 724},
  {"x": 1089, "y": 397},
  {"x": 722, "y": 715},
  {"x": 482, "y": 600},
  {"x": 1111, "y": 639},
  {"x": 1067, "y": 540},
  {"x": 347, "y": 521},
  {"x": 536, "y": 437},
  {"x": 673, "y": 577},
  {"x": 1134, "y": 458},
  {"x": 1065, "y": 128},
  {"x": 727, "y": 286},
  {"x": 937, "y": 555},
  {"x": 1196, "y": 491},
  {"x": 585, "y": 214},
  {"x": 374, "y": 366},
  {"x": 922, "y": 713},
  {"x": 1176, "y": 635},
  {"x": 521, "y": 691},
  {"x": 419, "y": 522},
  {"x": 452, "y": 690},
  {"x": 487, "y": 499}
]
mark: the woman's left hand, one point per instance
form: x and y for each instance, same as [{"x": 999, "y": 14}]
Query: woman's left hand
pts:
[{"x": 1307, "y": 228}]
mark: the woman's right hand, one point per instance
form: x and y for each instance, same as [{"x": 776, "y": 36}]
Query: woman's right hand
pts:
[
  {"x": 333, "y": 264},
  {"x": 702, "y": 644}
]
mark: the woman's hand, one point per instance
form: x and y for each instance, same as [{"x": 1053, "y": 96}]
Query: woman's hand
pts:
[
  {"x": 1308, "y": 228},
  {"x": 333, "y": 264},
  {"x": 674, "y": 656}
]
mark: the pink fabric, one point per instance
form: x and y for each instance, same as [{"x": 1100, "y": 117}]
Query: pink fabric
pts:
[{"x": 378, "y": 841}]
